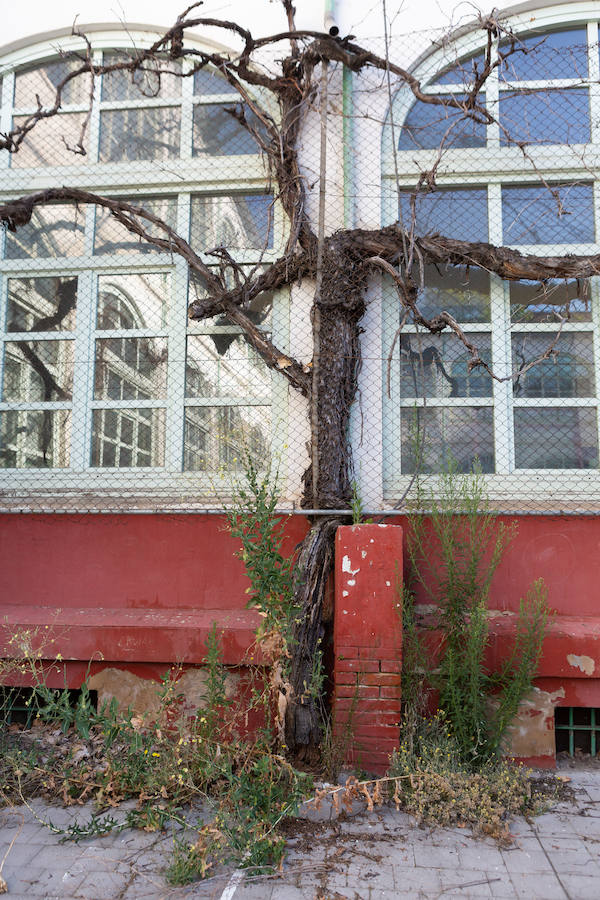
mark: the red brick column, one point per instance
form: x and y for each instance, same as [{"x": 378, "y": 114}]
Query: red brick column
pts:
[{"x": 368, "y": 642}]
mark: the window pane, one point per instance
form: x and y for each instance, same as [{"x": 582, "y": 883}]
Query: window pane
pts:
[
  {"x": 53, "y": 231},
  {"x": 534, "y": 302},
  {"x": 217, "y": 133},
  {"x": 130, "y": 369},
  {"x": 437, "y": 366},
  {"x": 459, "y": 435},
  {"x": 217, "y": 437},
  {"x": 35, "y": 439},
  {"x": 258, "y": 309},
  {"x": 239, "y": 222},
  {"x": 112, "y": 237},
  {"x": 461, "y": 213},
  {"x": 133, "y": 301},
  {"x": 224, "y": 365},
  {"x": 50, "y": 143},
  {"x": 465, "y": 294},
  {"x": 139, "y": 134},
  {"x": 569, "y": 372},
  {"x": 545, "y": 117},
  {"x": 558, "y": 438},
  {"x": 208, "y": 82},
  {"x": 427, "y": 125},
  {"x": 463, "y": 72},
  {"x": 128, "y": 438},
  {"x": 533, "y": 215},
  {"x": 44, "y": 80},
  {"x": 157, "y": 78},
  {"x": 37, "y": 371},
  {"x": 559, "y": 54},
  {"x": 41, "y": 304}
]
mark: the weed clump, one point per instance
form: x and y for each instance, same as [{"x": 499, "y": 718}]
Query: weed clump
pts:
[{"x": 455, "y": 545}]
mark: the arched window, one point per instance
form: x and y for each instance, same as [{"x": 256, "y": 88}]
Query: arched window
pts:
[
  {"x": 526, "y": 181},
  {"x": 101, "y": 373}
]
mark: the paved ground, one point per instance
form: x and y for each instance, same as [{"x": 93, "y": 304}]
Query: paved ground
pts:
[{"x": 370, "y": 857}]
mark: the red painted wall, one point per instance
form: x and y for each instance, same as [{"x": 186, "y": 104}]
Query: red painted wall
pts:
[{"x": 124, "y": 561}]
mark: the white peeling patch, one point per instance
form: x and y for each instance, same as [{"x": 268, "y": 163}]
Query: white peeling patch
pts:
[
  {"x": 388, "y": 584},
  {"x": 347, "y": 567},
  {"x": 381, "y": 525},
  {"x": 344, "y": 593},
  {"x": 585, "y": 663},
  {"x": 363, "y": 553},
  {"x": 345, "y": 611},
  {"x": 352, "y": 581},
  {"x": 372, "y": 541}
]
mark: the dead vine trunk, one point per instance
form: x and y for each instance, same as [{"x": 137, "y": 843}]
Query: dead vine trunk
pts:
[{"x": 341, "y": 305}]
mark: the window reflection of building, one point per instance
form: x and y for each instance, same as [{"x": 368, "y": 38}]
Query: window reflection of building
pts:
[
  {"x": 105, "y": 390},
  {"x": 548, "y": 416}
]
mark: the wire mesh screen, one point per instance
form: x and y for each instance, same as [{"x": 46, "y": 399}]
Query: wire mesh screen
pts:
[{"x": 114, "y": 399}]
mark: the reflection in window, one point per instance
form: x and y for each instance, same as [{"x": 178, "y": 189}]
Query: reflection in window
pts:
[
  {"x": 208, "y": 82},
  {"x": 461, "y": 213},
  {"x": 533, "y": 215},
  {"x": 237, "y": 222},
  {"x": 41, "y": 304},
  {"x": 31, "y": 439},
  {"x": 427, "y": 125},
  {"x": 128, "y": 438},
  {"x": 557, "y": 54},
  {"x": 437, "y": 366},
  {"x": 37, "y": 371},
  {"x": 218, "y": 133},
  {"x": 534, "y": 302},
  {"x": 53, "y": 142},
  {"x": 54, "y": 230},
  {"x": 465, "y": 294},
  {"x": 43, "y": 80},
  {"x": 112, "y": 237},
  {"x": 463, "y": 72},
  {"x": 557, "y": 438},
  {"x": 568, "y": 372},
  {"x": 545, "y": 117},
  {"x": 217, "y": 437},
  {"x": 224, "y": 365},
  {"x": 128, "y": 135},
  {"x": 433, "y": 439},
  {"x": 133, "y": 301},
  {"x": 157, "y": 78}
]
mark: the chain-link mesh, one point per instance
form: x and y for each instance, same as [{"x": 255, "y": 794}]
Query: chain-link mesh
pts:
[{"x": 113, "y": 399}]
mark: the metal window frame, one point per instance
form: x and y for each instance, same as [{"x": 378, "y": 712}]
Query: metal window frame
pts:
[
  {"x": 493, "y": 166},
  {"x": 186, "y": 176}
]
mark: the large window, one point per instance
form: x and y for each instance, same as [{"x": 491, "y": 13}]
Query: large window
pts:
[
  {"x": 101, "y": 373},
  {"x": 526, "y": 181}
]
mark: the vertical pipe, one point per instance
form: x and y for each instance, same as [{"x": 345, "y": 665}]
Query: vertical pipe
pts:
[{"x": 348, "y": 175}]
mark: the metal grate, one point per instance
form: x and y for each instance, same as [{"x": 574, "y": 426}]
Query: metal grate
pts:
[{"x": 577, "y": 728}]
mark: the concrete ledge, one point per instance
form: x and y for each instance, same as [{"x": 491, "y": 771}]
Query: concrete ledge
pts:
[{"x": 132, "y": 635}]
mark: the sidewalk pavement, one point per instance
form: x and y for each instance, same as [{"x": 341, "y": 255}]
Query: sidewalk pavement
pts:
[{"x": 374, "y": 856}]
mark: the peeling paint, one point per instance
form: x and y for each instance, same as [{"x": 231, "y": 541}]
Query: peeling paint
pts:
[
  {"x": 585, "y": 663},
  {"x": 142, "y": 694},
  {"x": 345, "y": 593},
  {"x": 347, "y": 566},
  {"x": 388, "y": 583},
  {"x": 363, "y": 553},
  {"x": 352, "y": 581},
  {"x": 531, "y": 734}
]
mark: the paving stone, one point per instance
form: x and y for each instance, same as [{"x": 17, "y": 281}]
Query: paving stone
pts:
[
  {"x": 526, "y": 861},
  {"x": 436, "y": 857},
  {"x": 538, "y": 887},
  {"x": 581, "y": 887}
]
